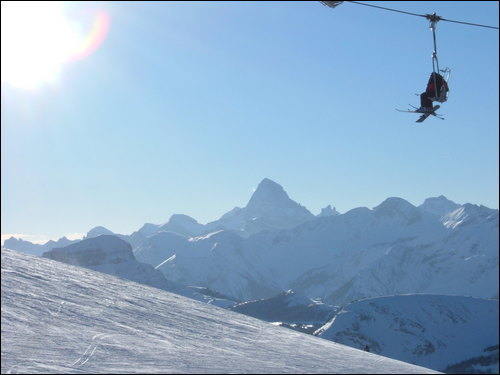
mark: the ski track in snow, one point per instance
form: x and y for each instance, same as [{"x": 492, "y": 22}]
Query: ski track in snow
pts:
[{"x": 89, "y": 352}]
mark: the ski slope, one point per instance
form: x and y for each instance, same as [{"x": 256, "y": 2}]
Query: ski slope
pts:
[{"x": 60, "y": 318}]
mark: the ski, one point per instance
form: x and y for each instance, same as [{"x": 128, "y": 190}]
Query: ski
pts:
[{"x": 423, "y": 115}]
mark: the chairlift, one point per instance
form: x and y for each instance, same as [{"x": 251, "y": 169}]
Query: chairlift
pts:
[{"x": 441, "y": 95}]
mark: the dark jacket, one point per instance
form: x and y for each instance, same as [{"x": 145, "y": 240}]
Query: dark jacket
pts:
[{"x": 437, "y": 81}]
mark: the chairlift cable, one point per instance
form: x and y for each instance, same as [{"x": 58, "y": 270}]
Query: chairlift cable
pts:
[
  {"x": 390, "y": 9},
  {"x": 471, "y": 24},
  {"x": 428, "y": 16}
]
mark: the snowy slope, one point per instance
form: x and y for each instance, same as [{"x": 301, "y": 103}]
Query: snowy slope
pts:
[
  {"x": 429, "y": 330},
  {"x": 63, "y": 319},
  {"x": 220, "y": 261},
  {"x": 112, "y": 255},
  {"x": 289, "y": 309},
  {"x": 155, "y": 249}
]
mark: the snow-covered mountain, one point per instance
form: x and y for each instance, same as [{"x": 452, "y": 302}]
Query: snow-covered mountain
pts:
[
  {"x": 407, "y": 253},
  {"x": 395, "y": 248},
  {"x": 472, "y": 217},
  {"x": 439, "y": 205},
  {"x": 273, "y": 244},
  {"x": 433, "y": 331},
  {"x": 98, "y": 231},
  {"x": 213, "y": 261},
  {"x": 269, "y": 208},
  {"x": 183, "y": 225},
  {"x": 289, "y": 309},
  {"x": 102, "y": 231},
  {"x": 36, "y": 249},
  {"x": 139, "y": 236},
  {"x": 57, "y": 318},
  {"x": 111, "y": 255},
  {"x": 156, "y": 248}
]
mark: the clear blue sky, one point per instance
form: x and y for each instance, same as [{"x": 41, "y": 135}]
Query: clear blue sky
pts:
[{"x": 186, "y": 106}]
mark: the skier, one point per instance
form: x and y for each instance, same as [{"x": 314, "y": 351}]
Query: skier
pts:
[
  {"x": 432, "y": 93},
  {"x": 366, "y": 348}
]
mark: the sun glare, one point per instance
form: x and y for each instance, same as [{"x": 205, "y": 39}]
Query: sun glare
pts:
[{"x": 38, "y": 38}]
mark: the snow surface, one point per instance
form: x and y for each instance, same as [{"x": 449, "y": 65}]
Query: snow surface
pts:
[
  {"x": 60, "y": 318},
  {"x": 429, "y": 330},
  {"x": 114, "y": 256},
  {"x": 288, "y": 307}
]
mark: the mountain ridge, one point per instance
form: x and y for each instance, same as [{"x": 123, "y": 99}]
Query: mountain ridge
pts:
[
  {"x": 337, "y": 258},
  {"x": 433, "y": 331},
  {"x": 178, "y": 222}
]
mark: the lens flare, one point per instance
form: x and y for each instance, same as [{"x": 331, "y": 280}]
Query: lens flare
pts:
[
  {"x": 95, "y": 38},
  {"x": 40, "y": 37}
]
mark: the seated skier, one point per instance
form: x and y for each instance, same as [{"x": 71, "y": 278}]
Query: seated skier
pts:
[{"x": 436, "y": 80}]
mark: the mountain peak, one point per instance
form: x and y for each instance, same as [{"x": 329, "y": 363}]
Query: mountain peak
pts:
[
  {"x": 183, "y": 224},
  {"x": 105, "y": 242},
  {"x": 328, "y": 211},
  {"x": 397, "y": 208},
  {"x": 93, "y": 252},
  {"x": 98, "y": 231},
  {"x": 148, "y": 229},
  {"x": 269, "y": 208},
  {"x": 439, "y": 205},
  {"x": 395, "y": 204},
  {"x": 267, "y": 192}
]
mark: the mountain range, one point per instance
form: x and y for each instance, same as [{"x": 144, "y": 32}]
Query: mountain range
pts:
[
  {"x": 275, "y": 260},
  {"x": 394, "y": 248},
  {"x": 274, "y": 244}
]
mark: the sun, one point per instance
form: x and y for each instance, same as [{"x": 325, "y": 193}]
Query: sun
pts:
[{"x": 39, "y": 38}]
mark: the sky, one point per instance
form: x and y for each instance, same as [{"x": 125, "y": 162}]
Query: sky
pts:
[{"x": 121, "y": 113}]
